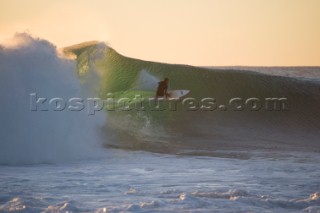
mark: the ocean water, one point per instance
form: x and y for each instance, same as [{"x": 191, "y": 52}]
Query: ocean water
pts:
[
  {"x": 144, "y": 182},
  {"x": 146, "y": 161}
]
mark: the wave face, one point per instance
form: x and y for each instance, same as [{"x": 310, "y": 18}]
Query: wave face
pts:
[
  {"x": 33, "y": 66},
  {"x": 192, "y": 132}
]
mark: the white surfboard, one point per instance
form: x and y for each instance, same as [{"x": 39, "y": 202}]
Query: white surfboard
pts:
[
  {"x": 175, "y": 94},
  {"x": 178, "y": 93}
]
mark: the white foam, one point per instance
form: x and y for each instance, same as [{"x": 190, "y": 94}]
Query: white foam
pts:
[{"x": 41, "y": 136}]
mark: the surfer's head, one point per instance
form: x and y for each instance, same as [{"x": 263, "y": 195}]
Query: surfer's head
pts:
[{"x": 166, "y": 80}]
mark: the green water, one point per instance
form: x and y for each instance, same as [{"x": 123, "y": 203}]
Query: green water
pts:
[{"x": 120, "y": 76}]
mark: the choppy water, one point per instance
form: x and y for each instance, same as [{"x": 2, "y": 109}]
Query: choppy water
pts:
[{"x": 144, "y": 182}]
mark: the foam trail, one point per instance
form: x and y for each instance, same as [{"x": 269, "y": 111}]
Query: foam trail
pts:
[{"x": 33, "y": 66}]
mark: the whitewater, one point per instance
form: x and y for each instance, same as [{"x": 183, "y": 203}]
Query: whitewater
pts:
[{"x": 151, "y": 161}]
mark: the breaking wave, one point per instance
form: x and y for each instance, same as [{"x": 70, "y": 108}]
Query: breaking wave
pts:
[
  {"x": 30, "y": 65},
  {"x": 191, "y": 132}
]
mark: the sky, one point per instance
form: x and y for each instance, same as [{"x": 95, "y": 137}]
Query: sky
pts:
[{"x": 201, "y": 33}]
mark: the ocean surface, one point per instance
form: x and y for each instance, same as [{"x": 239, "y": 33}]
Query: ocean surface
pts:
[{"x": 200, "y": 156}]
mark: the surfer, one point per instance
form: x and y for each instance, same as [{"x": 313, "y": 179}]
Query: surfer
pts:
[{"x": 163, "y": 88}]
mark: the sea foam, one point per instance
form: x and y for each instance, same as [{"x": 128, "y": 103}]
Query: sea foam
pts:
[{"x": 31, "y": 65}]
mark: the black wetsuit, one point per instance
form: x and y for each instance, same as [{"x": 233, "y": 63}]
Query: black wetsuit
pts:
[{"x": 162, "y": 88}]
